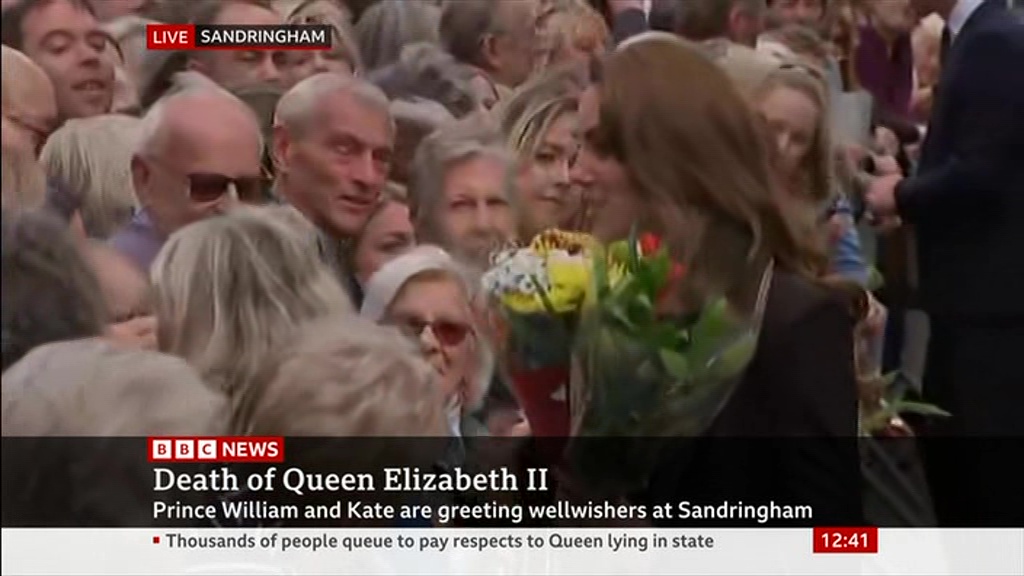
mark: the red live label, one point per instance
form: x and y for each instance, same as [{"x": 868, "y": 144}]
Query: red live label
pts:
[
  {"x": 170, "y": 36},
  {"x": 219, "y": 449},
  {"x": 846, "y": 540}
]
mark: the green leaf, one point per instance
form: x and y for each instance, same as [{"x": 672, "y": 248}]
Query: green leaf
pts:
[
  {"x": 875, "y": 279},
  {"x": 675, "y": 363},
  {"x": 600, "y": 276},
  {"x": 922, "y": 408},
  {"x": 543, "y": 294},
  {"x": 735, "y": 358},
  {"x": 712, "y": 328},
  {"x": 634, "y": 251}
]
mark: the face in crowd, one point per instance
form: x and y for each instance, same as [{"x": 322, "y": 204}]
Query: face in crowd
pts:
[
  {"x": 609, "y": 195},
  {"x": 67, "y": 42},
  {"x": 237, "y": 69},
  {"x": 511, "y": 54},
  {"x": 388, "y": 234},
  {"x": 301, "y": 64},
  {"x": 895, "y": 16},
  {"x": 793, "y": 119},
  {"x": 337, "y": 165},
  {"x": 434, "y": 309},
  {"x": 548, "y": 197},
  {"x": 206, "y": 159},
  {"x": 476, "y": 216},
  {"x": 802, "y": 12}
]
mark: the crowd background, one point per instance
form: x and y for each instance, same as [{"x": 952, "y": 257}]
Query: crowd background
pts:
[{"x": 140, "y": 299}]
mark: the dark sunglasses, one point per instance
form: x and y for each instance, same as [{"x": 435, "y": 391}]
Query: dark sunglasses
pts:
[
  {"x": 448, "y": 333},
  {"x": 205, "y": 187}
]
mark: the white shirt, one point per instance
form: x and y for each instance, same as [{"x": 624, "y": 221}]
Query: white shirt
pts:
[{"x": 961, "y": 13}]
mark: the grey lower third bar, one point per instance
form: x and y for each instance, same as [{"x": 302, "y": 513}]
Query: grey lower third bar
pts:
[{"x": 279, "y": 37}]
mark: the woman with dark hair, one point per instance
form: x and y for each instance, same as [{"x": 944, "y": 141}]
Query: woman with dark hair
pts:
[{"x": 688, "y": 162}]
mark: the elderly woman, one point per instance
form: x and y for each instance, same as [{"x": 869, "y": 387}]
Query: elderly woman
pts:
[
  {"x": 539, "y": 124},
  {"x": 231, "y": 291},
  {"x": 461, "y": 190},
  {"x": 426, "y": 295},
  {"x": 100, "y": 173}
]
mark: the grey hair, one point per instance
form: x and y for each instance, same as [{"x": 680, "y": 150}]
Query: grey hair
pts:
[
  {"x": 452, "y": 144},
  {"x": 230, "y": 291},
  {"x": 346, "y": 377},
  {"x": 389, "y": 25},
  {"x": 465, "y": 25},
  {"x": 94, "y": 388},
  {"x": 72, "y": 406},
  {"x": 102, "y": 174},
  {"x": 426, "y": 71},
  {"x": 298, "y": 108},
  {"x": 338, "y": 18},
  {"x": 387, "y": 283},
  {"x": 187, "y": 85}
]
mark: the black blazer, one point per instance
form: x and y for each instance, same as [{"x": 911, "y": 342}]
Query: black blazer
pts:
[
  {"x": 967, "y": 199},
  {"x": 789, "y": 434}
]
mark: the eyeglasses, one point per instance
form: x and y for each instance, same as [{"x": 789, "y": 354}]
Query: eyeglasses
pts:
[
  {"x": 447, "y": 332},
  {"x": 206, "y": 187}
]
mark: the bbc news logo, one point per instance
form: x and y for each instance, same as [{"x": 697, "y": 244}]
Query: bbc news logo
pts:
[
  {"x": 222, "y": 449},
  {"x": 232, "y": 37}
]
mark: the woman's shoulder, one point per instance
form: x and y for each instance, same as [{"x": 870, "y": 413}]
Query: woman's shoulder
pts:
[{"x": 794, "y": 298}]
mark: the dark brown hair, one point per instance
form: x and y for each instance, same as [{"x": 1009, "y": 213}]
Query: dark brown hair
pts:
[
  {"x": 14, "y": 16},
  {"x": 699, "y": 158}
]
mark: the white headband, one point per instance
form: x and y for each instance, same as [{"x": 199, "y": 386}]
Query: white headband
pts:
[{"x": 386, "y": 282}]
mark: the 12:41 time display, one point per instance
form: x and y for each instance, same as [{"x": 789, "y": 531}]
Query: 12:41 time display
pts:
[{"x": 846, "y": 540}]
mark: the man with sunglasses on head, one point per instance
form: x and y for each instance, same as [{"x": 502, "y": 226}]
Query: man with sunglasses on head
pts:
[{"x": 198, "y": 155}]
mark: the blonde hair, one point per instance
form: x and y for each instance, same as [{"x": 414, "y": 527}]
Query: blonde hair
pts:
[
  {"x": 338, "y": 18},
  {"x": 94, "y": 388},
  {"x": 573, "y": 23},
  {"x": 817, "y": 165},
  {"x": 231, "y": 290},
  {"x": 528, "y": 115},
  {"x": 23, "y": 181},
  {"x": 93, "y": 156},
  {"x": 344, "y": 377}
]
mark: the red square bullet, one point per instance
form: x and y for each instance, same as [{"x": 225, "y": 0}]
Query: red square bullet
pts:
[{"x": 156, "y": 539}]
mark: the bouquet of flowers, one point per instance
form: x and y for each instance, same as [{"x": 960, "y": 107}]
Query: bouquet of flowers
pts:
[
  {"x": 641, "y": 375},
  {"x": 539, "y": 290},
  {"x": 645, "y": 376}
]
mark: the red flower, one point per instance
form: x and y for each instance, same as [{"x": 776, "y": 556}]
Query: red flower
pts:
[{"x": 649, "y": 244}]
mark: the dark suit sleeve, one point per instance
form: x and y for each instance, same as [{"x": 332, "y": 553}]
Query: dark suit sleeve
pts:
[
  {"x": 987, "y": 99},
  {"x": 816, "y": 380}
]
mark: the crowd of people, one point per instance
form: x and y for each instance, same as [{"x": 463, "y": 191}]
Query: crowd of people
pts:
[{"x": 290, "y": 243}]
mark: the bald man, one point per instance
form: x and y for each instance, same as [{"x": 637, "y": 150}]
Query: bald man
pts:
[
  {"x": 198, "y": 154},
  {"x": 29, "y": 103}
]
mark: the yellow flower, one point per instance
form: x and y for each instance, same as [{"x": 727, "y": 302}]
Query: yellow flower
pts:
[{"x": 560, "y": 240}]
